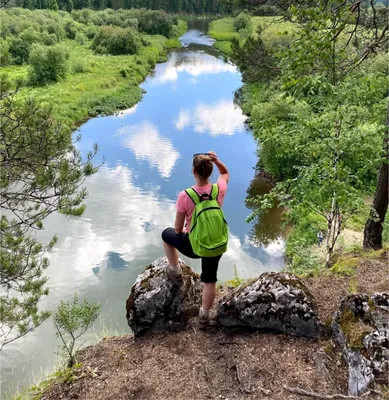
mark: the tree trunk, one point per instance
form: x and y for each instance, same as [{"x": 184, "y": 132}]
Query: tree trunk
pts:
[{"x": 372, "y": 238}]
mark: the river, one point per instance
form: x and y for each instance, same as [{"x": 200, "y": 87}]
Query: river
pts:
[{"x": 188, "y": 108}]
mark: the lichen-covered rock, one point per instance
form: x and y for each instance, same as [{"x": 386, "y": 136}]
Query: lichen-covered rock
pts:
[
  {"x": 155, "y": 303},
  {"x": 274, "y": 301},
  {"x": 361, "y": 331}
]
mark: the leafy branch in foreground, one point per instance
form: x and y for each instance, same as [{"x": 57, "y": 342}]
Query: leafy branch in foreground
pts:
[
  {"x": 71, "y": 320},
  {"x": 41, "y": 172}
]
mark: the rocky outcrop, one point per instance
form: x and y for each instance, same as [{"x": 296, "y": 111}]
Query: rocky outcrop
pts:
[
  {"x": 361, "y": 331},
  {"x": 155, "y": 303},
  {"x": 274, "y": 301}
]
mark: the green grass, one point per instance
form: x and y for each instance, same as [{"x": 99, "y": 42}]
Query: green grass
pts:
[
  {"x": 223, "y": 31},
  {"x": 109, "y": 83}
]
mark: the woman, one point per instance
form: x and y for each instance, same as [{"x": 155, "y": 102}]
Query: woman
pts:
[{"x": 177, "y": 238}]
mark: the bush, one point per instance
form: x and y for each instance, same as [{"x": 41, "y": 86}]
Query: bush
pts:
[
  {"x": 242, "y": 21},
  {"x": 80, "y": 38},
  {"x": 48, "y": 39},
  {"x": 115, "y": 41},
  {"x": 155, "y": 22},
  {"x": 48, "y": 64},
  {"x": 5, "y": 56},
  {"x": 91, "y": 32},
  {"x": 71, "y": 320},
  {"x": 79, "y": 67},
  {"x": 19, "y": 50},
  {"x": 71, "y": 29}
]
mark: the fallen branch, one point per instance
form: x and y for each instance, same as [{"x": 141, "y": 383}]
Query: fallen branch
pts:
[{"x": 319, "y": 396}]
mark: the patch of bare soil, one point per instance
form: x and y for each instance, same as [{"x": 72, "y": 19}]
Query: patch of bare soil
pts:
[{"x": 195, "y": 365}]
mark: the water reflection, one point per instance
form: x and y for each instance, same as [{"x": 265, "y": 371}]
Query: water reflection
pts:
[
  {"x": 147, "y": 144},
  {"x": 222, "y": 118},
  {"x": 191, "y": 63},
  {"x": 268, "y": 225}
]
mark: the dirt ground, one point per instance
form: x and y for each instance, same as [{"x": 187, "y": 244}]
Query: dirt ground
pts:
[{"x": 216, "y": 364}]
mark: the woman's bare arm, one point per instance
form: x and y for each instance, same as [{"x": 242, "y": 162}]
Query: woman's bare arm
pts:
[
  {"x": 223, "y": 170},
  {"x": 179, "y": 224}
]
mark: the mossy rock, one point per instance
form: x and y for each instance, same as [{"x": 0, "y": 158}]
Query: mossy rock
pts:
[
  {"x": 155, "y": 303},
  {"x": 273, "y": 301}
]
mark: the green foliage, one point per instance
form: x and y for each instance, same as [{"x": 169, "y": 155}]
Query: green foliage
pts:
[
  {"x": 346, "y": 265},
  {"x": 71, "y": 320},
  {"x": 80, "y": 67},
  {"x": 80, "y": 38},
  {"x": 301, "y": 258},
  {"x": 19, "y": 50},
  {"x": 39, "y": 152},
  {"x": 115, "y": 41},
  {"x": 49, "y": 64},
  {"x": 320, "y": 132},
  {"x": 242, "y": 21},
  {"x": 253, "y": 60},
  {"x": 5, "y": 56},
  {"x": 110, "y": 104},
  {"x": 236, "y": 281}
]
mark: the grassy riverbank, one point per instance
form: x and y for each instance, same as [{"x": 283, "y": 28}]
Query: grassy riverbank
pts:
[
  {"x": 223, "y": 31},
  {"x": 99, "y": 84}
]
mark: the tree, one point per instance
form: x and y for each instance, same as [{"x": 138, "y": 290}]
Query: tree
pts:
[
  {"x": 372, "y": 235},
  {"x": 255, "y": 62},
  {"x": 71, "y": 320},
  {"x": 316, "y": 73},
  {"x": 53, "y": 5},
  {"x": 41, "y": 172}
]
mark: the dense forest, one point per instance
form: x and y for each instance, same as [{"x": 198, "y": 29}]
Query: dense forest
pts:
[{"x": 173, "y": 6}]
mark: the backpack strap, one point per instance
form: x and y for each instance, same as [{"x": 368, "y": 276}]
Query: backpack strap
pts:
[
  {"x": 193, "y": 195},
  {"x": 214, "y": 191}
]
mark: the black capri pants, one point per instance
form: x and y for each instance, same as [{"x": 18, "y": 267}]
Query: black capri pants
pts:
[{"x": 180, "y": 241}]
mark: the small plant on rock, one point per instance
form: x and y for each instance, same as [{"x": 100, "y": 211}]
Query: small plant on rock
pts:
[{"x": 71, "y": 320}]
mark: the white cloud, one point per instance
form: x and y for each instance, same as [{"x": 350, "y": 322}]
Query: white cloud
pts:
[
  {"x": 194, "y": 64},
  {"x": 222, "y": 118},
  {"x": 130, "y": 111},
  {"x": 183, "y": 120},
  {"x": 147, "y": 144}
]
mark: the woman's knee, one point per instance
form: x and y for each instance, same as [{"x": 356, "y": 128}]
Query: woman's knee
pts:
[{"x": 167, "y": 234}]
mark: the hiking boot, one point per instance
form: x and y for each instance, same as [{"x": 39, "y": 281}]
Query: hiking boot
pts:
[
  {"x": 203, "y": 321},
  {"x": 175, "y": 276}
]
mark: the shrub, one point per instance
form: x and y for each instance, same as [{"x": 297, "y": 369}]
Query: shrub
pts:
[
  {"x": 115, "y": 41},
  {"x": 71, "y": 29},
  {"x": 19, "y": 50},
  {"x": 5, "y": 56},
  {"x": 80, "y": 38},
  {"x": 79, "y": 67},
  {"x": 71, "y": 320},
  {"x": 155, "y": 22},
  {"x": 91, "y": 32},
  {"x": 48, "y": 64},
  {"x": 242, "y": 21},
  {"x": 48, "y": 39}
]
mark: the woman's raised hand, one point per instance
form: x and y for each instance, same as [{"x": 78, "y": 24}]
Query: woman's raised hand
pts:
[{"x": 213, "y": 155}]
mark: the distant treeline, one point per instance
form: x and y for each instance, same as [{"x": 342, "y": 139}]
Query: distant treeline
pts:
[{"x": 174, "y": 6}]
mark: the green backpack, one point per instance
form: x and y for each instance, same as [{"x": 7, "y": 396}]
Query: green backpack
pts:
[{"x": 209, "y": 229}]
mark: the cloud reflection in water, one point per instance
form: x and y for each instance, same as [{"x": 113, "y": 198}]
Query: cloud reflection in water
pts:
[
  {"x": 146, "y": 143},
  {"x": 221, "y": 118}
]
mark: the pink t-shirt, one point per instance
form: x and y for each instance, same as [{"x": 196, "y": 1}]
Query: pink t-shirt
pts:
[{"x": 185, "y": 204}]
